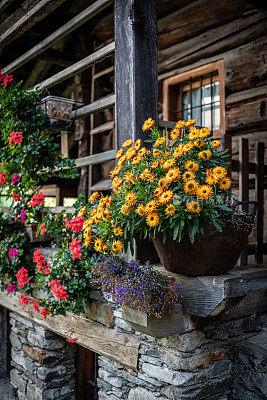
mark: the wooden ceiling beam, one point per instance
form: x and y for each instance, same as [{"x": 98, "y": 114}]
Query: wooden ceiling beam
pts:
[
  {"x": 4, "y": 4},
  {"x": 24, "y": 18},
  {"x": 67, "y": 28}
]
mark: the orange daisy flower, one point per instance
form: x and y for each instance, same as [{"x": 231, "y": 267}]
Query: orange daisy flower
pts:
[
  {"x": 127, "y": 143},
  {"x": 152, "y": 219},
  {"x": 131, "y": 198},
  {"x": 205, "y": 191},
  {"x": 165, "y": 197},
  {"x": 172, "y": 175},
  {"x": 225, "y": 183},
  {"x": 151, "y": 206},
  {"x": 190, "y": 187},
  {"x": 170, "y": 210},
  {"x": 148, "y": 124},
  {"x": 193, "y": 207},
  {"x": 191, "y": 166}
]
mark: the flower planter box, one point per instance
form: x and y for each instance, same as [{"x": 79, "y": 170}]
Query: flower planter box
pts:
[
  {"x": 171, "y": 323},
  {"x": 57, "y": 107}
]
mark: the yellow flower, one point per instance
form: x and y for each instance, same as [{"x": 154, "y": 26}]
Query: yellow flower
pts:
[
  {"x": 193, "y": 133},
  {"x": 188, "y": 176},
  {"x": 225, "y": 183},
  {"x": 199, "y": 143},
  {"x": 180, "y": 124},
  {"x": 136, "y": 160},
  {"x": 137, "y": 144},
  {"x": 121, "y": 160},
  {"x": 129, "y": 178},
  {"x": 169, "y": 163},
  {"x": 193, "y": 207},
  {"x": 165, "y": 197},
  {"x": 159, "y": 141},
  {"x": 148, "y": 124},
  {"x": 81, "y": 212},
  {"x": 98, "y": 245},
  {"x": 142, "y": 152},
  {"x": 141, "y": 210},
  {"x": 157, "y": 153},
  {"x": 131, "y": 198},
  {"x": 93, "y": 197},
  {"x": 220, "y": 172},
  {"x": 119, "y": 153},
  {"x": 205, "y": 155},
  {"x": 130, "y": 153},
  {"x": 118, "y": 231},
  {"x": 158, "y": 191},
  {"x": 115, "y": 171},
  {"x": 172, "y": 175},
  {"x": 204, "y": 132},
  {"x": 175, "y": 133},
  {"x": 190, "y": 187},
  {"x": 178, "y": 152},
  {"x": 211, "y": 179},
  {"x": 191, "y": 166},
  {"x": 187, "y": 147},
  {"x": 170, "y": 210},
  {"x": 116, "y": 183},
  {"x": 117, "y": 247},
  {"x": 163, "y": 184},
  {"x": 205, "y": 191},
  {"x": 126, "y": 209},
  {"x": 152, "y": 219},
  {"x": 127, "y": 143},
  {"x": 151, "y": 206},
  {"x": 190, "y": 122},
  {"x": 215, "y": 143},
  {"x": 106, "y": 249},
  {"x": 154, "y": 165}
]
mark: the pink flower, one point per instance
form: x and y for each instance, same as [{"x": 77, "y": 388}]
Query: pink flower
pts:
[
  {"x": 24, "y": 299},
  {"x": 15, "y": 137},
  {"x": 11, "y": 288},
  {"x": 22, "y": 277},
  {"x": 42, "y": 229},
  {"x": 45, "y": 312},
  {"x": 58, "y": 290},
  {"x": 75, "y": 249},
  {"x": 2, "y": 178},
  {"x": 37, "y": 199},
  {"x": 15, "y": 179},
  {"x": 72, "y": 340},
  {"x": 13, "y": 252},
  {"x": 23, "y": 216}
]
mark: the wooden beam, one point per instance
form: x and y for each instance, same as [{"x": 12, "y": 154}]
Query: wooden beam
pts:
[
  {"x": 136, "y": 81},
  {"x": 24, "y": 18},
  {"x": 67, "y": 28},
  {"x": 98, "y": 105},
  {"x": 78, "y": 67},
  {"x": 244, "y": 187},
  {"x": 4, "y": 4},
  {"x": 102, "y": 128},
  {"x": 259, "y": 197},
  {"x": 120, "y": 347},
  {"x": 95, "y": 158},
  {"x": 246, "y": 95}
]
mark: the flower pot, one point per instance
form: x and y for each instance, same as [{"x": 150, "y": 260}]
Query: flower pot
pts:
[{"x": 215, "y": 253}]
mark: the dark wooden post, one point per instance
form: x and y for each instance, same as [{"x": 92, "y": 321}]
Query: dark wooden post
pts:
[{"x": 136, "y": 70}]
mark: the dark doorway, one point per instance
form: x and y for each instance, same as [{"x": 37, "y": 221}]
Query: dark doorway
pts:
[{"x": 86, "y": 374}]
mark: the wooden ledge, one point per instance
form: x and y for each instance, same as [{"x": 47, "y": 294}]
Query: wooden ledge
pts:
[
  {"x": 120, "y": 347},
  {"x": 209, "y": 296}
]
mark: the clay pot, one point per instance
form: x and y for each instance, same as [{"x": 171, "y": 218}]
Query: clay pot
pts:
[{"x": 215, "y": 253}]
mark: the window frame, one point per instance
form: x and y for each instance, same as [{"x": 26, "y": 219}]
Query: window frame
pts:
[{"x": 172, "y": 99}]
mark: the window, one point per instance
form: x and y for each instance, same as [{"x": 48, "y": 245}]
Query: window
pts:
[{"x": 197, "y": 94}]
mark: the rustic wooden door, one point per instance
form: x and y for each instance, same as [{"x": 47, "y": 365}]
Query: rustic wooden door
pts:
[{"x": 86, "y": 374}]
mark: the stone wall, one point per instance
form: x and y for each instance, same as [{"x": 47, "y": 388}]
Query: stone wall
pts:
[
  {"x": 3, "y": 342},
  {"x": 196, "y": 365},
  {"x": 43, "y": 363}
]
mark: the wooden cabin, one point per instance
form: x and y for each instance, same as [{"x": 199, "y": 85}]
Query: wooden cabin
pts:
[{"x": 126, "y": 61}]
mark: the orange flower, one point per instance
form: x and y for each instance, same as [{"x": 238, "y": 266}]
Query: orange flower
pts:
[
  {"x": 165, "y": 197},
  {"x": 191, "y": 166},
  {"x": 129, "y": 178},
  {"x": 169, "y": 163},
  {"x": 205, "y": 191},
  {"x": 130, "y": 153},
  {"x": 154, "y": 165},
  {"x": 117, "y": 247},
  {"x": 190, "y": 187},
  {"x": 93, "y": 197},
  {"x": 215, "y": 143},
  {"x": 188, "y": 176},
  {"x": 121, "y": 160},
  {"x": 225, "y": 183},
  {"x": 126, "y": 209},
  {"x": 162, "y": 183},
  {"x": 180, "y": 124},
  {"x": 98, "y": 244},
  {"x": 205, "y": 155},
  {"x": 158, "y": 191},
  {"x": 131, "y": 198},
  {"x": 172, "y": 175},
  {"x": 119, "y": 153},
  {"x": 199, "y": 143},
  {"x": 204, "y": 132},
  {"x": 141, "y": 210},
  {"x": 118, "y": 231},
  {"x": 211, "y": 179},
  {"x": 170, "y": 210},
  {"x": 138, "y": 144},
  {"x": 151, "y": 206},
  {"x": 220, "y": 172},
  {"x": 187, "y": 147},
  {"x": 194, "y": 133},
  {"x": 175, "y": 133},
  {"x": 178, "y": 152},
  {"x": 136, "y": 160},
  {"x": 190, "y": 122},
  {"x": 116, "y": 183},
  {"x": 148, "y": 124},
  {"x": 193, "y": 207},
  {"x": 142, "y": 152},
  {"x": 157, "y": 153},
  {"x": 127, "y": 143},
  {"x": 152, "y": 219},
  {"x": 159, "y": 141}
]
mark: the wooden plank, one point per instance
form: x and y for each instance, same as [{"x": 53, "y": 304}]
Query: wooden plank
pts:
[
  {"x": 227, "y": 145},
  {"x": 98, "y": 105},
  {"x": 166, "y": 124},
  {"x": 58, "y": 210},
  {"x": 102, "y": 128},
  {"x": 105, "y": 184},
  {"x": 252, "y": 167},
  {"x": 4, "y": 4},
  {"x": 259, "y": 197},
  {"x": 24, "y": 18},
  {"x": 244, "y": 187},
  {"x": 136, "y": 82},
  {"x": 95, "y": 158},
  {"x": 120, "y": 347},
  {"x": 64, "y": 144},
  {"x": 78, "y": 67},
  {"x": 245, "y": 95},
  {"x": 67, "y": 28},
  {"x": 104, "y": 72}
]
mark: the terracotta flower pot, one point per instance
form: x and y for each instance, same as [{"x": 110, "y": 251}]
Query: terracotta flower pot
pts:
[{"x": 215, "y": 253}]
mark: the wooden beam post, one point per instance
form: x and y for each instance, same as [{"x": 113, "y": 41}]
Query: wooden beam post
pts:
[{"x": 136, "y": 70}]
